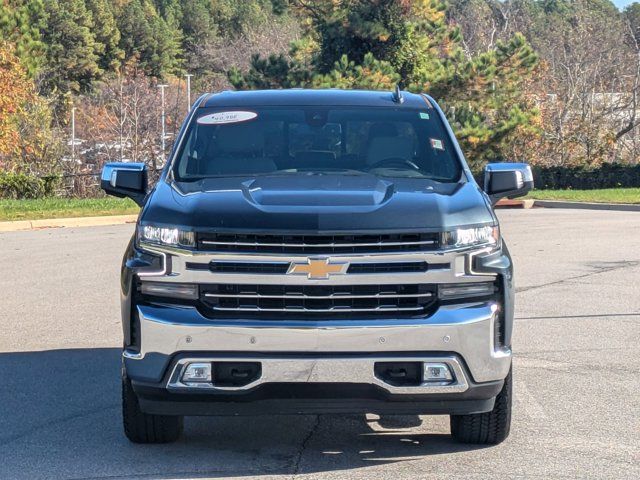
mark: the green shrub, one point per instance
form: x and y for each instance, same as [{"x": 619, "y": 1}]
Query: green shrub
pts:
[
  {"x": 20, "y": 185},
  {"x": 609, "y": 175}
]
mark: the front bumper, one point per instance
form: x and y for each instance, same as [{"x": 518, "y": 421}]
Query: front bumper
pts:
[
  {"x": 316, "y": 398},
  {"x": 316, "y": 356}
]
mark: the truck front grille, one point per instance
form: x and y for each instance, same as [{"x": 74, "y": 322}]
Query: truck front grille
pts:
[
  {"x": 287, "y": 301},
  {"x": 281, "y": 268},
  {"x": 317, "y": 244}
]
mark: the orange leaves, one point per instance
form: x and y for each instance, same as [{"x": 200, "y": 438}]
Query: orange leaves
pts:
[{"x": 15, "y": 91}]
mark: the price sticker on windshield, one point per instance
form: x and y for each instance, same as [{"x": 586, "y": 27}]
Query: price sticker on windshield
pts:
[
  {"x": 222, "y": 118},
  {"x": 437, "y": 144}
]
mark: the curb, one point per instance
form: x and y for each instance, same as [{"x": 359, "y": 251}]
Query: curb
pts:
[
  {"x": 507, "y": 203},
  {"x": 622, "y": 207},
  {"x": 67, "y": 222}
]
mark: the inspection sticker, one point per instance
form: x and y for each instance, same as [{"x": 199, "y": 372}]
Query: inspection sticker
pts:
[
  {"x": 437, "y": 144},
  {"x": 221, "y": 118},
  {"x": 424, "y": 116}
]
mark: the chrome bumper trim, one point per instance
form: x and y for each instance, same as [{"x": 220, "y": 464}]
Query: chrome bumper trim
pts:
[
  {"x": 466, "y": 330},
  {"x": 324, "y": 370}
]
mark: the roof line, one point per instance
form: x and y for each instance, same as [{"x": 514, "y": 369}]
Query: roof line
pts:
[{"x": 426, "y": 100}]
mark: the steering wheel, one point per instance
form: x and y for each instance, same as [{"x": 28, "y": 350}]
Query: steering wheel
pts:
[{"x": 394, "y": 162}]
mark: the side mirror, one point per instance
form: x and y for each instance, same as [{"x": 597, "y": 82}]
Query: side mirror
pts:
[
  {"x": 509, "y": 180},
  {"x": 125, "y": 180}
]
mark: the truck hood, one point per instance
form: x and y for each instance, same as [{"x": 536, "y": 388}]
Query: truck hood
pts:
[{"x": 316, "y": 202}]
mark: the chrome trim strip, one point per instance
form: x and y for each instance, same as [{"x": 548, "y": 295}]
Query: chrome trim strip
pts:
[
  {"x": 320, "y": 310},
  {"x": 317, "y": 245},
  {"x": 254, "y": 256},
  {"x": 158, "y": 273},
  {"x": 250, "y": 262},
  {"x": 324, "y": 370},
  {"x": 458, "y": 270},
  {"x": 320, "y": 297}
]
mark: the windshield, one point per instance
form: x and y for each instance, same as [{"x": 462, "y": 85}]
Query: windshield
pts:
[{"x": 386, "y": 142}]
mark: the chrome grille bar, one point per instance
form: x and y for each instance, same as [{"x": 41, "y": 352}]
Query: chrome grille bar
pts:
[
  {"x": 332, "y": 296},
  {"x": 319, "y": 310},
  {"x": 334, "y": 301},
  {"x": 318, "y": 245}
]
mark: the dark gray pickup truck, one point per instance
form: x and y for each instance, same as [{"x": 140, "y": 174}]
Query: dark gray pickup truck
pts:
[{"x": 317, "y": 251}]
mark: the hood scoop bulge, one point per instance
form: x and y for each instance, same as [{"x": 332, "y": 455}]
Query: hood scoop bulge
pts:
[{"x": 318, "y": 190}]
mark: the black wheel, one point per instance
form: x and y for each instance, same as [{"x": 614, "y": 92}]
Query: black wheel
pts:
[
  {"x": 488, "y": 428},
  {"x": 140, "y": 427}
]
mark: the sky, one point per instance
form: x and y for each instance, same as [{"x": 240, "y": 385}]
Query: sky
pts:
[{"x": 622, "y": 3}]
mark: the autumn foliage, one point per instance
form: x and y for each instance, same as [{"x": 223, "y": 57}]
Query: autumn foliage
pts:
[{"x": 15, "y": 93}]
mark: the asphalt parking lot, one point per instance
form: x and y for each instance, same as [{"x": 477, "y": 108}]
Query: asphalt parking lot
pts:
[{"x": 576, "y": 367}]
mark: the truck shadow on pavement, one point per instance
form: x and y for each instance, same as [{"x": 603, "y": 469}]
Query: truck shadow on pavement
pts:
[{"x": 60, "y": 418}]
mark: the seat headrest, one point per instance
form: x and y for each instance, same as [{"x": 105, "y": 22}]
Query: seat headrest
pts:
[
  {"x": 383, "y": 129},
  {"x": 243, "y": 138}
]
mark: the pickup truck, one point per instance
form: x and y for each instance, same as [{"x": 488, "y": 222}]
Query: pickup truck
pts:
[{"x": 314, "y": 252}]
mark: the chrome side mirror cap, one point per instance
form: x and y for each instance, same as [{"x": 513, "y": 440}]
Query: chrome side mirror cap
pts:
[
  {"x": 508, "y": 180},
  {"x": 125, "y": 180}
]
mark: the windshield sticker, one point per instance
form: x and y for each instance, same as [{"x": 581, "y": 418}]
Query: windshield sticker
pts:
[
  {"x": 424, "y": 115},
  {"x": 222, "y": 118},
  {"x": 437, "y": 144}
]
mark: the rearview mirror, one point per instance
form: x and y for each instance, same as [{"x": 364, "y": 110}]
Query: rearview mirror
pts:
[
  {"x": 125, "y": 180},
  {"x": 509, "y": 180}
]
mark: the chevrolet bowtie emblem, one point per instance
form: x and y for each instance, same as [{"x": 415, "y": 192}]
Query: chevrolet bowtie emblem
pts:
[{"x": 317, "y": 268}]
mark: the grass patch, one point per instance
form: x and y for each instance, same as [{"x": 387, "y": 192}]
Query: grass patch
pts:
[
  {"x": 65, "y": 207},
  {"x": 607, "y": 195}
]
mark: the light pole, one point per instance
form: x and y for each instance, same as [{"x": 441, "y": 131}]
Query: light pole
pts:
[
  {"x": 188, "y": 75},
  {"x": 162, "y": 87},
  {"x": 73, "y": 134}
]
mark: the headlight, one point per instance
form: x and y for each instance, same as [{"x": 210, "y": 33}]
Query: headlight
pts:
[
  {"x": 465, "y": 237},
  {"x": 166, "y": 236}
]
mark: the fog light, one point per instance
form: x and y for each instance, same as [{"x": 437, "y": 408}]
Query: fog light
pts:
[
  {"x": 465, "y": 290},
  {"x": 167, "y": 289},
  {"x": 437, "y": 372},
  {"x": 197, "y": 373}
]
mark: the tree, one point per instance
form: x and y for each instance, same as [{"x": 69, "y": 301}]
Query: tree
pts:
[
  {"x": 27, "y": 144},
  {"x": 21, "y": 23},
  {"x": 106, "y": 34},
  {"x": 120, "y": 120},
  {"x": 16, "y": 92},
  {"x": 349, "y": 44},
  {"x": 71, "y": 56},
  {"x": 148, "y": 39}
]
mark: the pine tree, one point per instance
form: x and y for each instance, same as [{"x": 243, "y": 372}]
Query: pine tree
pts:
[
  {"x": 378, "y": 43},
  {"x": 197, "y": 22},
  {"x": 106, "y": 34},
  {"x": 21, "y": 22},
  {"x": 146, "y": 36},
  {"x": 71, "y": 59}
]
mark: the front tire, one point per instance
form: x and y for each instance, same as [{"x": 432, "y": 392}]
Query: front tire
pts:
[
  {"x": 490, "y": 428},
  {"x": 140, "y": 427}
]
